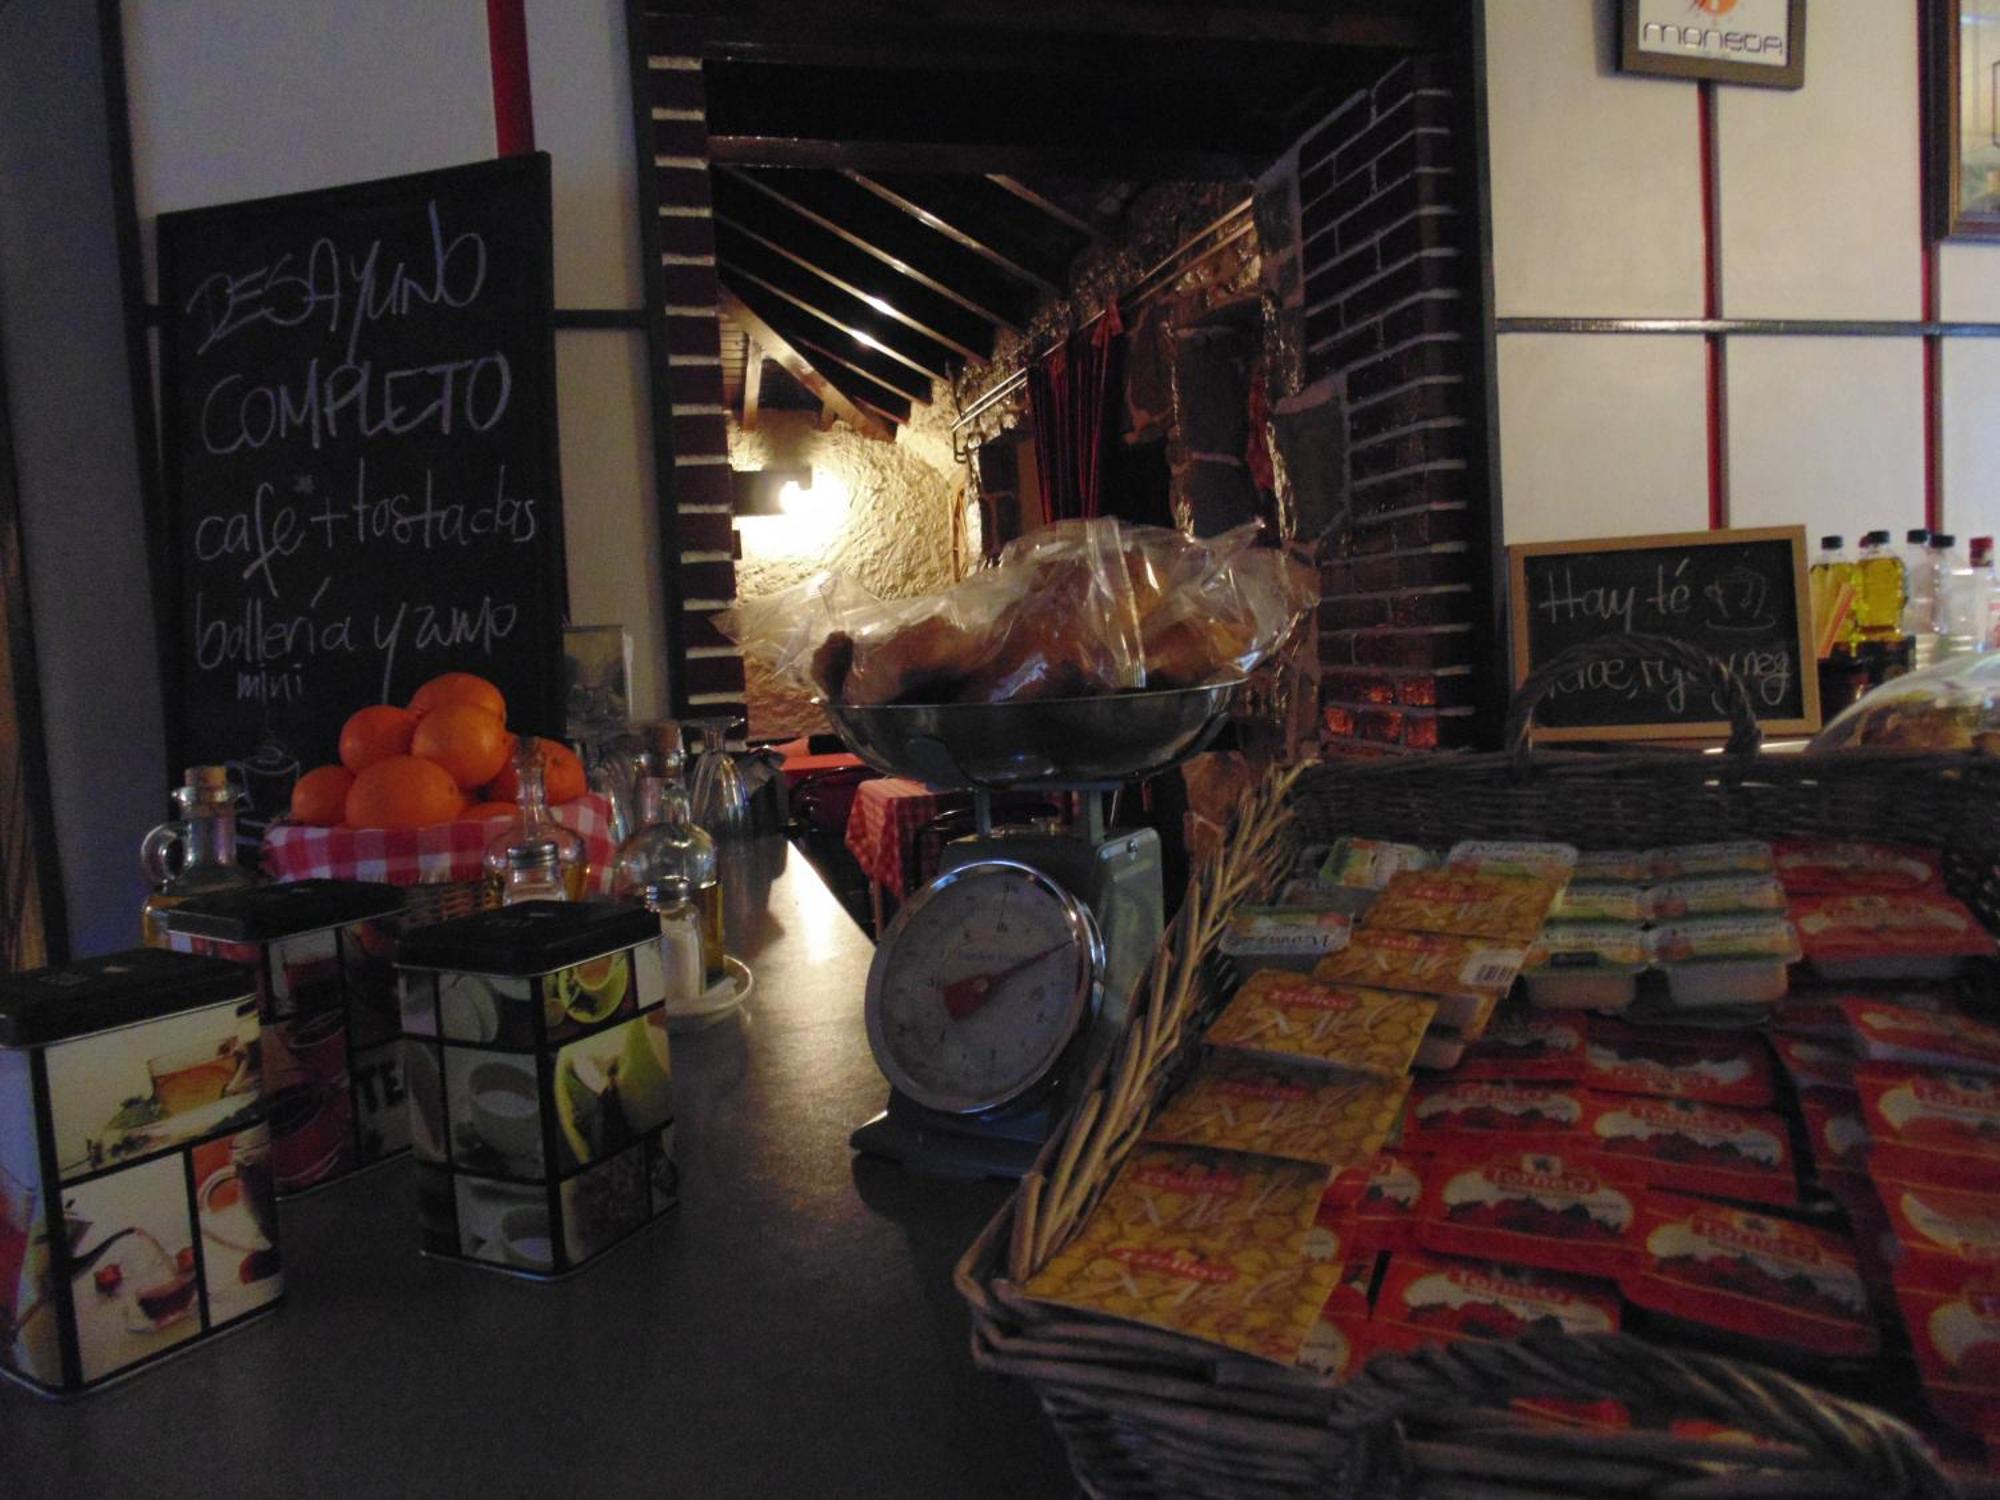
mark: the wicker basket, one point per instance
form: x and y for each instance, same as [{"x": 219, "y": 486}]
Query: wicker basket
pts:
[{"x": 1152, "y": 1414}]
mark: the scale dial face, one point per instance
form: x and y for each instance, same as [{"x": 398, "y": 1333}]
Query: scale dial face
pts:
[{"x": 980, "y": 984}]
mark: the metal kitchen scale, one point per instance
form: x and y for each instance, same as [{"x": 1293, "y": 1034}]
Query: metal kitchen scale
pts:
[{"x": 1002, "y": 982}]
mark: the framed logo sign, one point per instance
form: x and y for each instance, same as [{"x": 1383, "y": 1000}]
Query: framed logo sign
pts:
[
  {"x": 1962, "y": 117},
  {"x": 1760, "y": 42}
]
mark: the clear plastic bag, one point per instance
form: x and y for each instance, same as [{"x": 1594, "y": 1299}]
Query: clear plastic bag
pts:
[
  {"x": 1952, "y": 706},
  {"x": 1077, "y": 609}
]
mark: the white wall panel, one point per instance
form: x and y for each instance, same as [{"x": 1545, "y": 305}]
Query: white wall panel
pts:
[
  {"x": 240, "y": 99},
  {"x": 1820, "y": 187},
  {"x": 1596, "y": 177},
  {"x": 1969, "y": 282},
  {"x": 1971, "y": 388},
  {"x": 582, "y": 90},
  {"x": 581, "y": 84},
  {"x": 610, "y": 527},
  {"x": 1826, "y": 433},
  {"x": 1602, "y": 435}
]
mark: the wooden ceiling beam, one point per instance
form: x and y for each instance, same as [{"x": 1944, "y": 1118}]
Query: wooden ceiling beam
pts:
[
  {"x": 753, "y": 382},
  {"x": 1048, "y": 206},
  {"x": 1034, "y": 277},
  {"x": 1066, "y": 159},
  {"x": 811, "y": 323},
  {"x": 801, "y": 369},
  {"x": 813, "y": 339},
  {"x": 828, "y": 256},
  {"x": 858, "y": 388},
  {"x": 843, "y": 309},
  {"x": 863, "y": 385},
  {"x": 865, "y": 222}
]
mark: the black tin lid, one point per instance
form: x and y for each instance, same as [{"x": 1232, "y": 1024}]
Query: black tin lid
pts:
[
  {"x": 534, "y": 937},
  {"x": 119, "y": 989},
  {"x": 264, "y": 913}
]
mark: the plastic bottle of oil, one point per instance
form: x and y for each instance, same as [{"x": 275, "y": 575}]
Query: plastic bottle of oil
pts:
[
  {"x": 1916, "y": 555},
  {"x": 1830, "y": 571},
  {"x": 1878, "y": 610}
]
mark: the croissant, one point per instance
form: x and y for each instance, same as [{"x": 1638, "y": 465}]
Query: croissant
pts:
[{"x": 1184, "y": 616}]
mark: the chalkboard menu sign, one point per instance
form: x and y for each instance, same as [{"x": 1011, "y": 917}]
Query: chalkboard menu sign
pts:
[
  {"x": 1738, "y": 595},
  {"x": 358, "y": 388}
]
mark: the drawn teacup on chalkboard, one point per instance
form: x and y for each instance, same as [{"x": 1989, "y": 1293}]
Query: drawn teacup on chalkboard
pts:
[{"x": 266, "y": 775}]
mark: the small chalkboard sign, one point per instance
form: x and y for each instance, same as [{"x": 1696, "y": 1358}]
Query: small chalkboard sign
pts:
[
  {"x": 358, "y": 388},
  {"x": 1738, "y": 595}
]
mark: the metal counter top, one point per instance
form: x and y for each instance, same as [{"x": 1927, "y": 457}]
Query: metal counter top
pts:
[{"x": 789, "y": 1330}]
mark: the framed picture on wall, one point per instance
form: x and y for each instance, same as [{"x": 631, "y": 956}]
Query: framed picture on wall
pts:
[
  {"x": 1962, "y": 117},
  {"x": 1758, "y": 42}
]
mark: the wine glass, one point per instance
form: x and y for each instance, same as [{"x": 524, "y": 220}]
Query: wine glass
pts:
[{"x": 721, "y": 802}]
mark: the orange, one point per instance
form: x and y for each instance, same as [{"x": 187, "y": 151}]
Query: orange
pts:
[
  {"x": 459, "y": 687},
  {"x": 466, "y": 740},
  {"x": 404, "y": 791},
  {"x": 375, "y": 733},
  {"x": 479, "y": 812},
  {"x": 562, "y": 776},
  {"x": 319, "y": 798}
]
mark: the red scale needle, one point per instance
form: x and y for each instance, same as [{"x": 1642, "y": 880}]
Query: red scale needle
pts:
[{"x": 964, "y": 996}]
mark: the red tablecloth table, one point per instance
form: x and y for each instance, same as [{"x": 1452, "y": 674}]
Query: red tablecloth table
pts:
[
  {"x": 882, "y": 829},
  {"x": 441, "y": 853}
]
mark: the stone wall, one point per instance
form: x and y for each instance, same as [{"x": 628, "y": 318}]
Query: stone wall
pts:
[{"x": 880, "y": 513}]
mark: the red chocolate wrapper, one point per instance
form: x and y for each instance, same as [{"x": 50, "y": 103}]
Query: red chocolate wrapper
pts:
[
  {"x": 1525, "y": 1046},
  {"x": 1384, "y": 1217},
  {"x": 1954, "y": 1327},
  {"x": 1887, "y": 935},
  {"x": 1836, "y": 1132},
  {"x": 1425, "y": 1300},
  {"x": 1940, "y": 1230},
  {"x": 1451, "y": 1116},
  {"x": 1790, "y": 1285},
  {"x": 1688, "y": 1147},
  {"x": 1561, "y": 1213},
  {"x": 1885, "y": 1031},
  {"x": 1338, "y": 1345},
  {"x": 1844, "y": 867},
  {"x": 1712, "y": 1069},
  {"x": 1928, "y": 1125},
  {"x": 1816, "y": 1064}
]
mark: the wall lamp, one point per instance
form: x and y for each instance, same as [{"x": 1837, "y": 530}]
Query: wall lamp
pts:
[{"x": 760, "y": 492}]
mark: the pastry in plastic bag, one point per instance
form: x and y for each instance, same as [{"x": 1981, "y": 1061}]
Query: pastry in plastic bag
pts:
[{"x": 1077, "y": 609}]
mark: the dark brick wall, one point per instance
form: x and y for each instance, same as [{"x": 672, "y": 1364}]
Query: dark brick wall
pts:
[
  {"x": 1387, "y": 236},
  {"x": 710, "y": 678}
]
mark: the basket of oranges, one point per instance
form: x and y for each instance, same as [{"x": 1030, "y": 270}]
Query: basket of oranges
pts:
[{"x": 421, "y": 790}]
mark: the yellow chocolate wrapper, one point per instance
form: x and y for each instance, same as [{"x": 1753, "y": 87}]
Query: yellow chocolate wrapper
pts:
[
  {"x": 1505, "y": 908},
  {"x": 1427, "y": 963},
  {"x": 1220, "y": 1248},
  {"x": 1301, "y": 1113},
  {"x": 1289, "y": 1015}
]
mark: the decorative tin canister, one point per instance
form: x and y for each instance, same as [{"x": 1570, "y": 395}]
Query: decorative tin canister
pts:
[
  {"x": 323, "y": 955},
  {"x": 138, "y": 1215},
  {"x": 540, "y": 1092}
]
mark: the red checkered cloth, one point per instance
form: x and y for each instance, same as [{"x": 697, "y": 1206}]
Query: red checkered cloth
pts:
[
  {"x": 882, "y": 828},
  {"x": 439, "y": 854}
]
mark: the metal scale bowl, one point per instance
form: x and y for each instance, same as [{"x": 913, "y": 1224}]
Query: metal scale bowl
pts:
[{"x": 1003, "y": 980}]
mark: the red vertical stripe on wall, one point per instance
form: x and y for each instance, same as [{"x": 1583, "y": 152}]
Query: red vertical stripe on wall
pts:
[
  {"x": 1933, "y": 345},
  {"x": 513, "y": 104},
  {"x": 1711, "y": 307},
  {"x": 1933, "y": 399}
]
